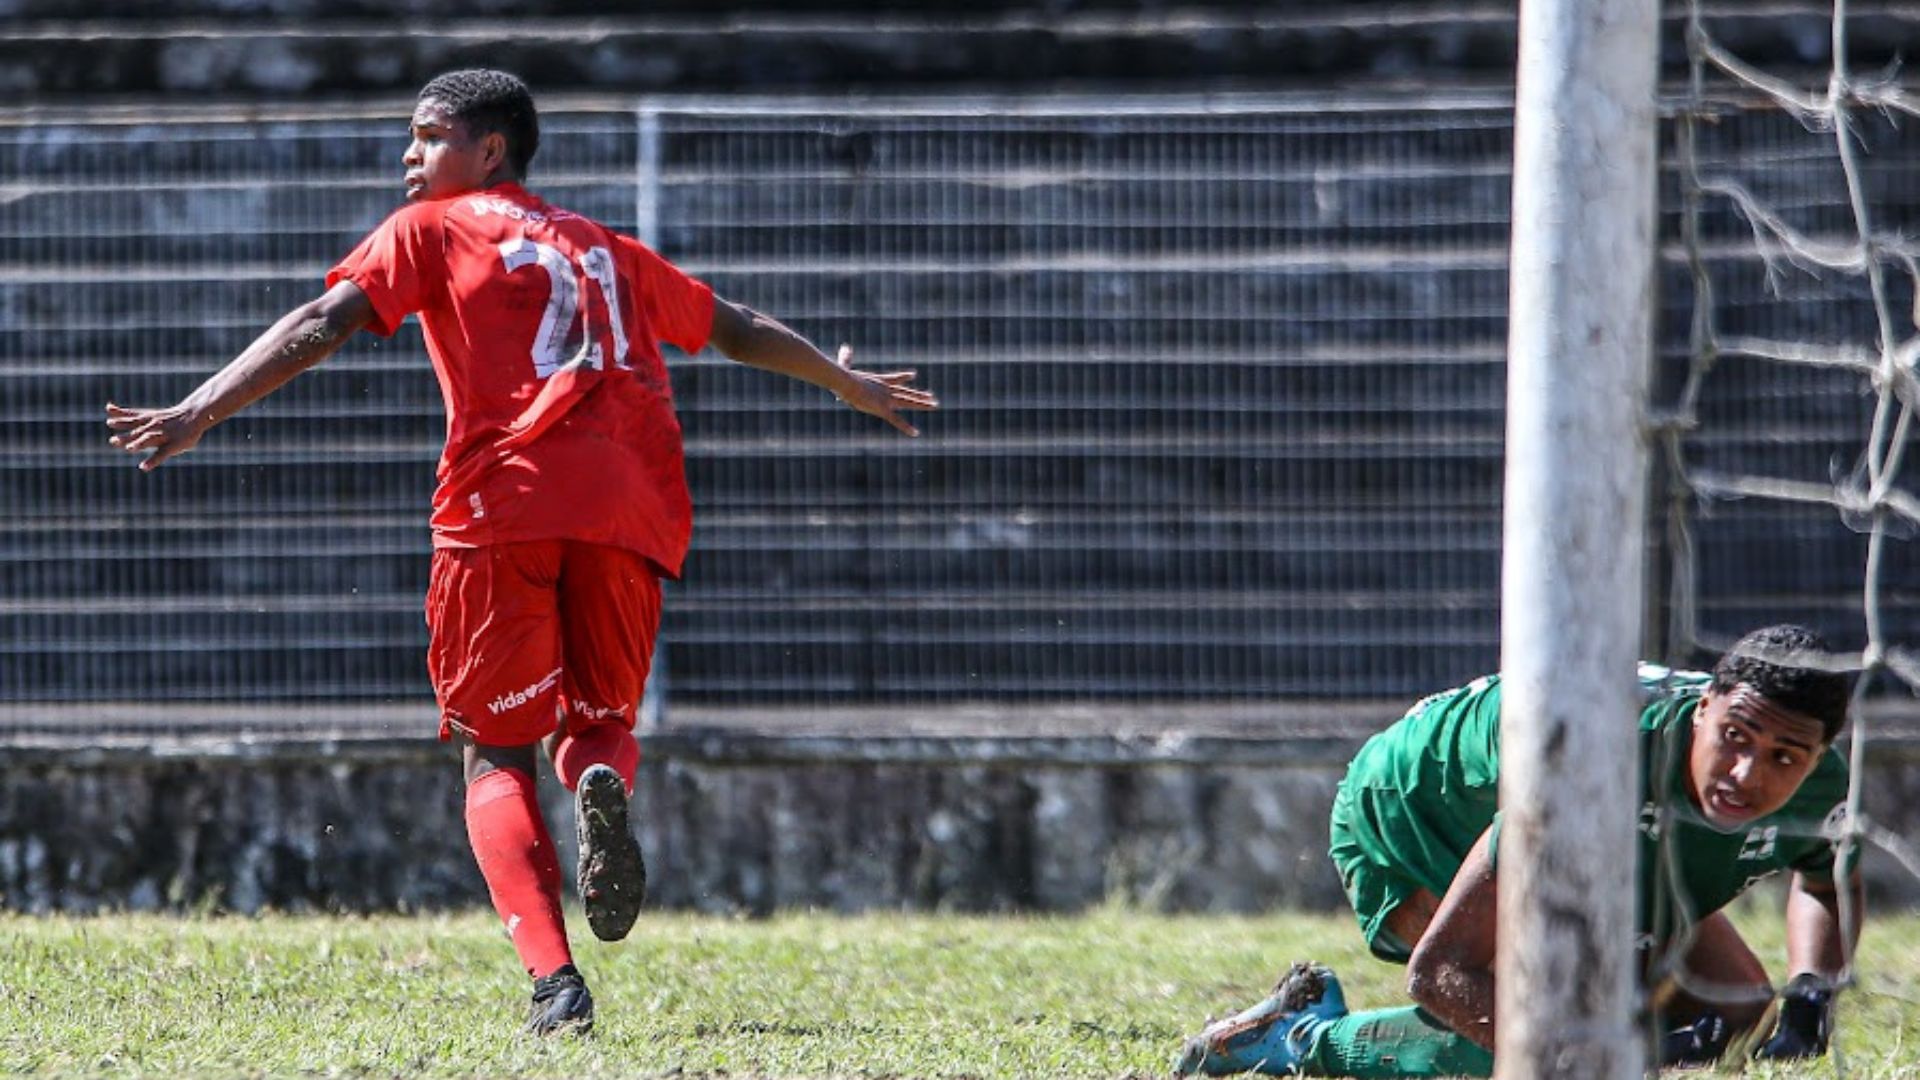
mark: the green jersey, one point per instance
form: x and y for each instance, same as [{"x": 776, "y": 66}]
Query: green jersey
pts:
[{"x": 1420, "y": 794}]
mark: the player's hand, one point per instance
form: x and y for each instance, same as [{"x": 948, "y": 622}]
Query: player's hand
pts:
[
  {"x": 158, "y": 433},
  {"x": 1806, "y": 1011},
  {"x": 1698, "y": 1044},
  {"x": 884, "y": 394}
]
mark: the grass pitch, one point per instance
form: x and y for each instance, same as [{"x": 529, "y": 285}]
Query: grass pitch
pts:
[{"x": 1109, "y": 994}]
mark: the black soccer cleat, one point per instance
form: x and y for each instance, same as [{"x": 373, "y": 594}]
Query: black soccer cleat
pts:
[
  {"x": 561, "y": 1004},
  {"x": 613, "y": 874},
  {"x": 1697, "y": 1045}
]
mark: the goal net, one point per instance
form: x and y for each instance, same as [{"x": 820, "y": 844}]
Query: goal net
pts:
[{"x": 1788, "y": 383}]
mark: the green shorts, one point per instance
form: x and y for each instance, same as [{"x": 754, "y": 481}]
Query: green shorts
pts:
[
  {"x": 1374, "y": 887},
  {"x": 1387, "y": 842}
]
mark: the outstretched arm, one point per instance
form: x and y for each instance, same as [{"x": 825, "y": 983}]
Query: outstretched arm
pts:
[
  {"x": 757, "y": 340},
  {"x": 302, "y": 338},
  {"x": 1451, "y": 971}
]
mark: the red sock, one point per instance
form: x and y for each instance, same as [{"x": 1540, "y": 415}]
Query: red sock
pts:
[
  {"x": 516, "y": 856},
  {"x": 597, "y": 744}
]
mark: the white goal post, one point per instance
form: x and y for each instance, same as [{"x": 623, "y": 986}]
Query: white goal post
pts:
[{"x": 1579, "y": 350}]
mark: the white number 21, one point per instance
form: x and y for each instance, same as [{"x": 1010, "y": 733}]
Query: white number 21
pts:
[{"x": 563, "y": 304}]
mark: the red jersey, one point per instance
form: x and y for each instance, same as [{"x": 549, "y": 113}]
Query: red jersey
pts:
[{"x": 544, "y": 330}]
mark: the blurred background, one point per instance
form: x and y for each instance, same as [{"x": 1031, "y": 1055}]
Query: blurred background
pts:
[{"x": 1213, "y": 295}]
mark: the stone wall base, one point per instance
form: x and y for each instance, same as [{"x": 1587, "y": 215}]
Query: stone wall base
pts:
[{"x": 730, "y": 822}]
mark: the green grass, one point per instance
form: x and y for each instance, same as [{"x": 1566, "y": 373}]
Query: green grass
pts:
[{"x": 1108, "y": 994}]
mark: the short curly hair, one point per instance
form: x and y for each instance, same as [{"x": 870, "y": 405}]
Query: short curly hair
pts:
[
  {"x": 488, "y": 101},
  {"x": 1776, "y": 663}
]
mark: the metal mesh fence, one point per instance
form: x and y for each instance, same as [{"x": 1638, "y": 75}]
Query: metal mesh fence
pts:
[
  {"x": 1221, "y": 396},
  {"x": 286, "y": 561},
  {"x": 1222, "y": 386}
]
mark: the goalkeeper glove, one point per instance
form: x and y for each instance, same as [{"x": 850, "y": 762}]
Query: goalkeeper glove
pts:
[
  {"x": 1699, "y": 1043},
  {"x": 1806, "y": 1019}
]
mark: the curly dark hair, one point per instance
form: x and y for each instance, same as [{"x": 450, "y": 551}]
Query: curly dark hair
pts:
[
  {"x": 1780, "y": 664},
  {"x": 488, "y": 101}
]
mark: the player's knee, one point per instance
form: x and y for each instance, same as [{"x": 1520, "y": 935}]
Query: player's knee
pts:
[
  {"x": 1436, "y": 978},
  {"x": 600, "y": 743},
  {"x": 1423, "y": 978},
  {"x": 478, "y": 760}
]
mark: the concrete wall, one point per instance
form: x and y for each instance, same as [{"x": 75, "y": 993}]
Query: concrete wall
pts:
[{"x": 730, "y": 823}]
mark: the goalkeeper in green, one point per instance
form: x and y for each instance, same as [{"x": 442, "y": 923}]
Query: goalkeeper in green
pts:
[{"x": 1738, "y": 781}]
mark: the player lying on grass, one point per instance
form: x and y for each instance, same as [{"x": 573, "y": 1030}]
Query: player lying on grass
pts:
[
  {"x": 561, "y": 499},
  {"x": 1738, "y": 780}
]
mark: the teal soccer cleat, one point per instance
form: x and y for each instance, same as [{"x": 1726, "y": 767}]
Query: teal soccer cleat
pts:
[{"x": 1272, "y": 1036}]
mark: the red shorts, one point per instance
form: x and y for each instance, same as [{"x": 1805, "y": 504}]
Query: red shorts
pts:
[{"x": 522, "y": 634}]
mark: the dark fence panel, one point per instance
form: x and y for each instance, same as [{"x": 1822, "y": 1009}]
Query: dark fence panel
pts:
[{"x": 1223, "y": 386}]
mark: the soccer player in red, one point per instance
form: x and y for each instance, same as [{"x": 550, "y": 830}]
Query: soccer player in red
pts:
[{"x": 561, "y": 497}]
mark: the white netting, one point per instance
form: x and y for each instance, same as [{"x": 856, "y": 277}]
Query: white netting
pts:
[{"x": 1792, "y": 402}]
